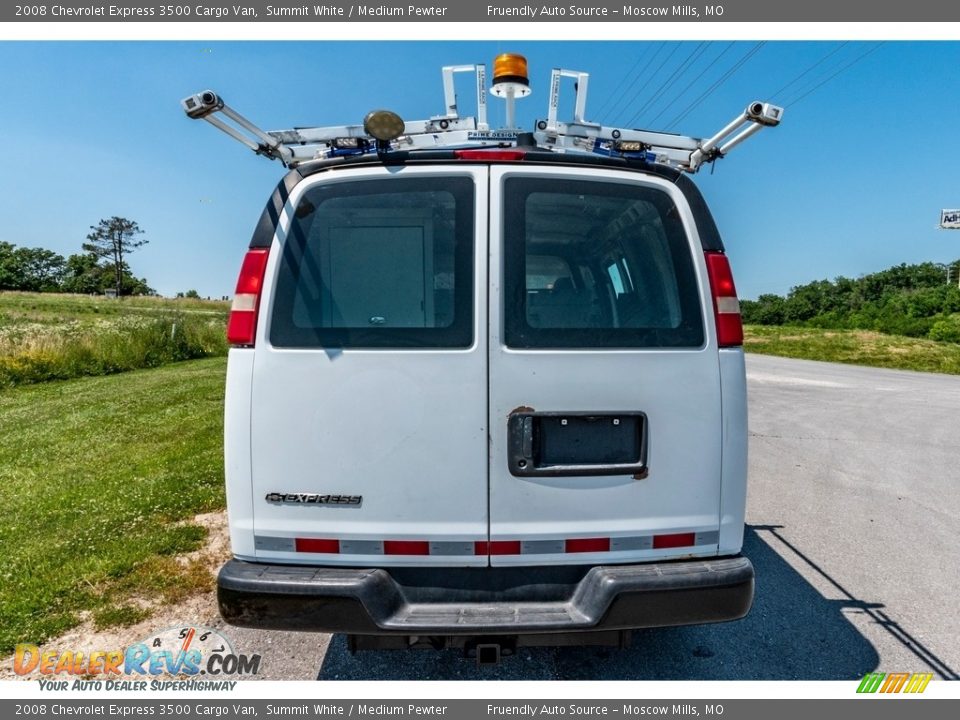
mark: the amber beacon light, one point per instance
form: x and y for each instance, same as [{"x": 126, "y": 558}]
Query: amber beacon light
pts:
[
  {"x": 510, "y": 73},
  {"x": 510, "y": 81}
]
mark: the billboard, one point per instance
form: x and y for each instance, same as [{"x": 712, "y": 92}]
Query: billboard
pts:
[{"x": 950, "y": 219}]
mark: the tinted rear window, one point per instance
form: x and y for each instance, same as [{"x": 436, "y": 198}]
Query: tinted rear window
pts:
[
  {"x": 378, "y": 263},
  {"x": 596, "y": 264}
]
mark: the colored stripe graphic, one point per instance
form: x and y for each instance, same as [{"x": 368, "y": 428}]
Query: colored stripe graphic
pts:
[
  {"x": 870, "y": 683},
  {"x": 894, "y": 682},
  {"x": 918, "y": 682}
]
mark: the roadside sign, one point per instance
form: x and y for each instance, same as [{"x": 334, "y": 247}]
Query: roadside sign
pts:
[{"x": 950, "y": 219}]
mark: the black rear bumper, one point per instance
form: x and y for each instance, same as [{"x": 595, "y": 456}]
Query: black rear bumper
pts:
[{"x": 484, "y": 601}]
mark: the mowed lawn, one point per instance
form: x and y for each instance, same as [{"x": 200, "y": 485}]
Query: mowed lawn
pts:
[{"x": 97, "y": 478}]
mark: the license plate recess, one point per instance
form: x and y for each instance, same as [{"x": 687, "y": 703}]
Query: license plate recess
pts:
[{"x": 577, "y": 443}]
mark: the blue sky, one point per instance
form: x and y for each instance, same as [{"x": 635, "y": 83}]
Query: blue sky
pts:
[{"x": 851, "y": 182}]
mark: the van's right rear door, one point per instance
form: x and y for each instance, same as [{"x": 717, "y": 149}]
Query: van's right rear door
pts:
[{"x": 605, "y": 416}]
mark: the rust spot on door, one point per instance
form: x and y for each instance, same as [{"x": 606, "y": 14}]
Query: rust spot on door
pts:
[{"x": 523, "y": 409}]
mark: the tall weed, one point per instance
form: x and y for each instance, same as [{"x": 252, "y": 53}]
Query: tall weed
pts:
[{"x": 34, "y": 352}]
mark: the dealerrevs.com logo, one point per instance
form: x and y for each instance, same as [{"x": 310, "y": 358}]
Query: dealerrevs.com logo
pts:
[{"x": 186, "y": 651}]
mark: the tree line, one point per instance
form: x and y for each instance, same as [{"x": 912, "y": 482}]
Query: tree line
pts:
[
  {"x": 914, "y": 300},
  {"x": 99, "y": 267}
]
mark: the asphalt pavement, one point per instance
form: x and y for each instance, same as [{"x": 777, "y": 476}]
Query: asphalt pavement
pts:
[{"x": 853, "y": 526}]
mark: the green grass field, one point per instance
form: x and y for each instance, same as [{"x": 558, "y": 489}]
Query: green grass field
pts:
[
  {"x": 96, "y": 477},
  {"x": 47, "y": 336},
  {"x": 855, "y": 347}
]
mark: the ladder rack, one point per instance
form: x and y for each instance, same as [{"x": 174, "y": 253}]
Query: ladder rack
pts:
[{"x": 449, "y": 130}]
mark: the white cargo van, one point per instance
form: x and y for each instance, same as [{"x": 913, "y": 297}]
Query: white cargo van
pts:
[{"x": 486, "y": 388}]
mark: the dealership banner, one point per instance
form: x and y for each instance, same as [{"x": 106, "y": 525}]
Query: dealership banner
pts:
[{"x": 608, "y": 11}]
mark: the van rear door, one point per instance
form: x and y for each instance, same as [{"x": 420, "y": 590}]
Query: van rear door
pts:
[
  {"x": 604, "y": 381},
  {"x": 369, "y": 423}
]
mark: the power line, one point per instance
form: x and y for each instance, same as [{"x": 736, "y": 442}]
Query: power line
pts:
[
  {"x": 810, "y": 69},
  {"x": 671, "y": 80},
  {"x": 624, "y": 80},
  {"x": 720, "y": 81},
  {"x": 653, "y": 75},
  {"x": 653, "y": 57},
  {"x": 692, "y": 83},
  {"x": 831, "y": 77}
]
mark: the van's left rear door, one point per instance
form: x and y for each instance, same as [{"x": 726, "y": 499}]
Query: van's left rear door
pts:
[{"x": 369, "y": 423}]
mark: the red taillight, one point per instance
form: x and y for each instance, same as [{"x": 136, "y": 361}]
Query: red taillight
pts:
[
  {"x": 242, "y": 326},
  {"x": 491, "y": 155},
  {"x": 726, "y": 307}
]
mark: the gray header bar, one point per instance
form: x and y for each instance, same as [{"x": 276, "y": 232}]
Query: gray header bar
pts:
[
  {"x": 629, "y": 11},
  {"x": 186, "y": 708}
]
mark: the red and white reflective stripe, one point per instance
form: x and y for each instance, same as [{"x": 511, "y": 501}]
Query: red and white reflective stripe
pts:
[
  {"x": 332, "y": 546},
  {"x": 675, "y": 540},
  {"x": 406, "y": 547},
  {"x": 578, "y": 545},
  {"x": 316, "y": 545},
  {"x": 497, "y": 547},
  {"x": 726, "y": 306}
]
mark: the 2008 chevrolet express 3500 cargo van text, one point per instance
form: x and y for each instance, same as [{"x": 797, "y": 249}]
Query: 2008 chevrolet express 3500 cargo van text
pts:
[{"x": 486, "y": 388}]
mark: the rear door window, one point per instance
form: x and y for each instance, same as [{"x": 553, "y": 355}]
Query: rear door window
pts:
[
  {"x": 378, "y": 264},
  {"x": 596, "y": 264}
]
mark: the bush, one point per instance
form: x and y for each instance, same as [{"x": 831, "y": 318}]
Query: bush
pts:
[
  {"x": 765, "y": 310},
  {"x": 910, "y": 300},
  {"x": 946, "y": 329}
]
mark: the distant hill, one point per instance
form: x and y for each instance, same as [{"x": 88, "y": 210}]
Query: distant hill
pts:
[{"x": 911, "y": 300}]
